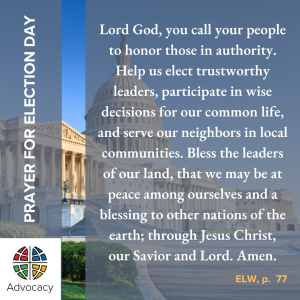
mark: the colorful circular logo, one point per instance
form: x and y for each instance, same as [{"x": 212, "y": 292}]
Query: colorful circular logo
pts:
[{"x": 30, "y": 263}]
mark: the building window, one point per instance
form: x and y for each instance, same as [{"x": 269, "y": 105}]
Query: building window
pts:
[
  {"x": 56, "y": 165},
  {"x": 37, "y": 161},
  {"x": 75, "y": 168},
  {"x": 245, "y": 203},
  {"x": 140, "y": 186},
  {"x": 113, "y": 181},
  {"x": 66, "y": 167},
  {"x": 26, "y": 161},
  {"x": 129, "y": 145},
  {"x": 1, "y": 183},
  {"x": 15, "y": 157},
  {"x": 122, "y": 182},
  {"x": 47, "y": 163},
  {"x": 147, "y": 187},
  {"x": 2, "y": 155},
  {"x": 253, "y": 202},
  {"x": 14, "y": 182}
]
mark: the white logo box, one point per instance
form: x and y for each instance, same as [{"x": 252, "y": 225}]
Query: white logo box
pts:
[{"x": 47, "y": 286}]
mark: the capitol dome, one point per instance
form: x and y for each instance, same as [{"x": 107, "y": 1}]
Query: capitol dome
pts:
[
  {"x": 144, "y": 109},
  {"x": 106, "y": 91}
]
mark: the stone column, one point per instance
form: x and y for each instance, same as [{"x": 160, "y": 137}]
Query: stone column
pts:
[
  {"x": 211, "y": 203},
  {"x": 162, "y": 206},
  {"x": 42, "y": 166},
  {"x": 214, "y": 200},
  {"x": 20, "y": 166},
  {"x": 201, "y": 202},
  {"x": 176, "y": 208},
  {"x": 103, "y": 180},
  {"x": 167, "y": 188},
  {"x": 186, "y": 203},
  {"x": 91, "y": 179},
  {"x": 201, "y": 206},
  {"x": 52, "y": 183},
  {"x": 7, "y": 166},
  {"x": 87, "y": 175},
  {"x": 63, "y": 167},
  {"x": 72, "y": 173},
  {"x": 197, "y": 201},
  {"x": 155, "y": 204},
  {"x": 96, "y": 178},
  {"x": 82, "y": 172},
  {"x": 218, "y": 201},
  {"x": 206, "y": 207},
  {"x": 173, "y": 207}
]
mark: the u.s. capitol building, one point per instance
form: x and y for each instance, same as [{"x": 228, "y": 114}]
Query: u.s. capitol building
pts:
[{"x": 63, "y": 154}]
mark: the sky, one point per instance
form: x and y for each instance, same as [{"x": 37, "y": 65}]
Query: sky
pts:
[
  {"x": 73, "y": 63},
  {"x": 86, "y": 65}
]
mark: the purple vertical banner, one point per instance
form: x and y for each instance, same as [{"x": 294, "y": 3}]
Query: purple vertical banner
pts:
[{"x": 31, "y": 148}]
